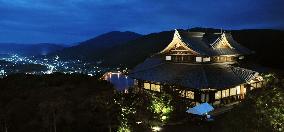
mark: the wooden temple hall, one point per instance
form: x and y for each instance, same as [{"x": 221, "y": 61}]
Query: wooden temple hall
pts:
[{"x": 199, "y": 67}]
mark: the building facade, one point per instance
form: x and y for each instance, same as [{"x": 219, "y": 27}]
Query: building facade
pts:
[{"x": 199, "y": 67}]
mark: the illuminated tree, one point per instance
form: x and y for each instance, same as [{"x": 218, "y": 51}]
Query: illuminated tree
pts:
[
  {"x": 262, "y": 110},
  {"x": 124, "y": 126},
  {"x": 127, "y": 109},
  {"x": 269, "y": 78},
  {"x": 161, "y": 107},
  {"x": 270, "y": 107},
  {"x": 143, "y": 110}
]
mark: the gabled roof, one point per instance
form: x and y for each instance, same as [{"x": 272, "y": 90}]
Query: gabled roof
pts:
[
  {"x": 221, "y": 40},
  {"x": 195, "y": 76},
  {"x": 177, "y": 40},
  {"x": 207, "y": 44}
]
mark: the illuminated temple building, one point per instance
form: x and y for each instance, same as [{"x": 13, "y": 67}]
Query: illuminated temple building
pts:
[{"x": 199, "y": 67}]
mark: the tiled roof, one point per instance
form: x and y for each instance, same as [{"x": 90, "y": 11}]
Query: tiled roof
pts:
[
  {"x": 205, "y": 44},
  {"x": 196, "y": 76}
]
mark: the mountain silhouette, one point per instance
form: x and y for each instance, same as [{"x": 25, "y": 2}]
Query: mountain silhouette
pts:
[{"x": 97, "y": 45}]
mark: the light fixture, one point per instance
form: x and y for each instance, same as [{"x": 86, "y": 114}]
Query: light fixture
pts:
[{"x": 156, "y": 128}]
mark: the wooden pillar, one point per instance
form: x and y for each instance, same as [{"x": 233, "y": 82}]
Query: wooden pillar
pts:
[
  {"x": 237, "y": 92},
  {"x": 221, "y": 99}
]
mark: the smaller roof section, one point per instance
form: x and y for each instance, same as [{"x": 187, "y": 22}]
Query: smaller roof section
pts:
[
  {"x": 209, "y": 44},
  {"x": 201, "y": 109}
]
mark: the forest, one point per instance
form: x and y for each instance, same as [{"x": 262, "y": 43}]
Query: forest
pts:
[
  {"x": 76, "y": 102},
  {"x": 63, "y": 102},
  {"x": 56, "y": 102}
]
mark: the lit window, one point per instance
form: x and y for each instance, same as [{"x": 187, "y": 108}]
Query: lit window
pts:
[
  {"x": 158, "y": 87},
  {"x": 155, "y": 87},
  {"x": 224, "y": 93},
  {"x": 168, "y": 58},
  {"x": 182, "y": 92},
  {"x": 238, "y": 90},
  {"x": 190, "y": 94},
  {"x": 206, "y": 59},
  {"x": 218, "y": 95},
  {"x": 147, "y": 85},
  {"x": 227, "y": 92},
  {"x": 233, "y": 91},
  {"x": 198, "y": 59},
  {"x": 241, "y": 90}
]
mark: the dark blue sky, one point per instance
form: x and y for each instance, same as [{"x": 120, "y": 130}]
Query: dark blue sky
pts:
[{"x": 70, "y": 21}]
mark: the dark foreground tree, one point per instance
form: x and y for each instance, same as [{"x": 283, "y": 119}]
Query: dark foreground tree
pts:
[{"x": 56, "y": 103}]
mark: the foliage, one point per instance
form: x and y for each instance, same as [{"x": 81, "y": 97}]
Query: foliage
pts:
[
  {"x": 57, "y": 102},
  {"x": 124, "y": 123},
  {"x": 161, "y": 107},
  {"x": 270, "y": 107},
  {"x": 124, "y": 128},
  {"x": 141, "y": 111},
  {"x": 262, "y": 110},
  {"x": 269, "y": 78}
]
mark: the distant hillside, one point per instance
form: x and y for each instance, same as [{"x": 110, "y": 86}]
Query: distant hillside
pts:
[
  {"x": 268, "y": 45},
  {"x": 29, "y": 49},
  {"x": 129, "y": 49},
  {"x": 91, "y": 48},
  {"x": 136, "y": 51}
]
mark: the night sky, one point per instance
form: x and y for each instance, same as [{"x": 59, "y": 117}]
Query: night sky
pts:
[{"x": 70, "y": 21}]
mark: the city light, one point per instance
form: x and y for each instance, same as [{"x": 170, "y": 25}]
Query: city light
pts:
[{"x": 15, "y": 64}]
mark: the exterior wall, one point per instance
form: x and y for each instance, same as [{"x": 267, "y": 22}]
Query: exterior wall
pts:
[
  {"x": 184, "y": 58},
  {"x": 214, "y": 97},
  {"x": 230, "y": 94},
  {"x": 188, "y": 94},
  {"x": 220, "y": 59}
]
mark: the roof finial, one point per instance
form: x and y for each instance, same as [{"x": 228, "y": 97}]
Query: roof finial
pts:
[{"x": 221, "y": 30}]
